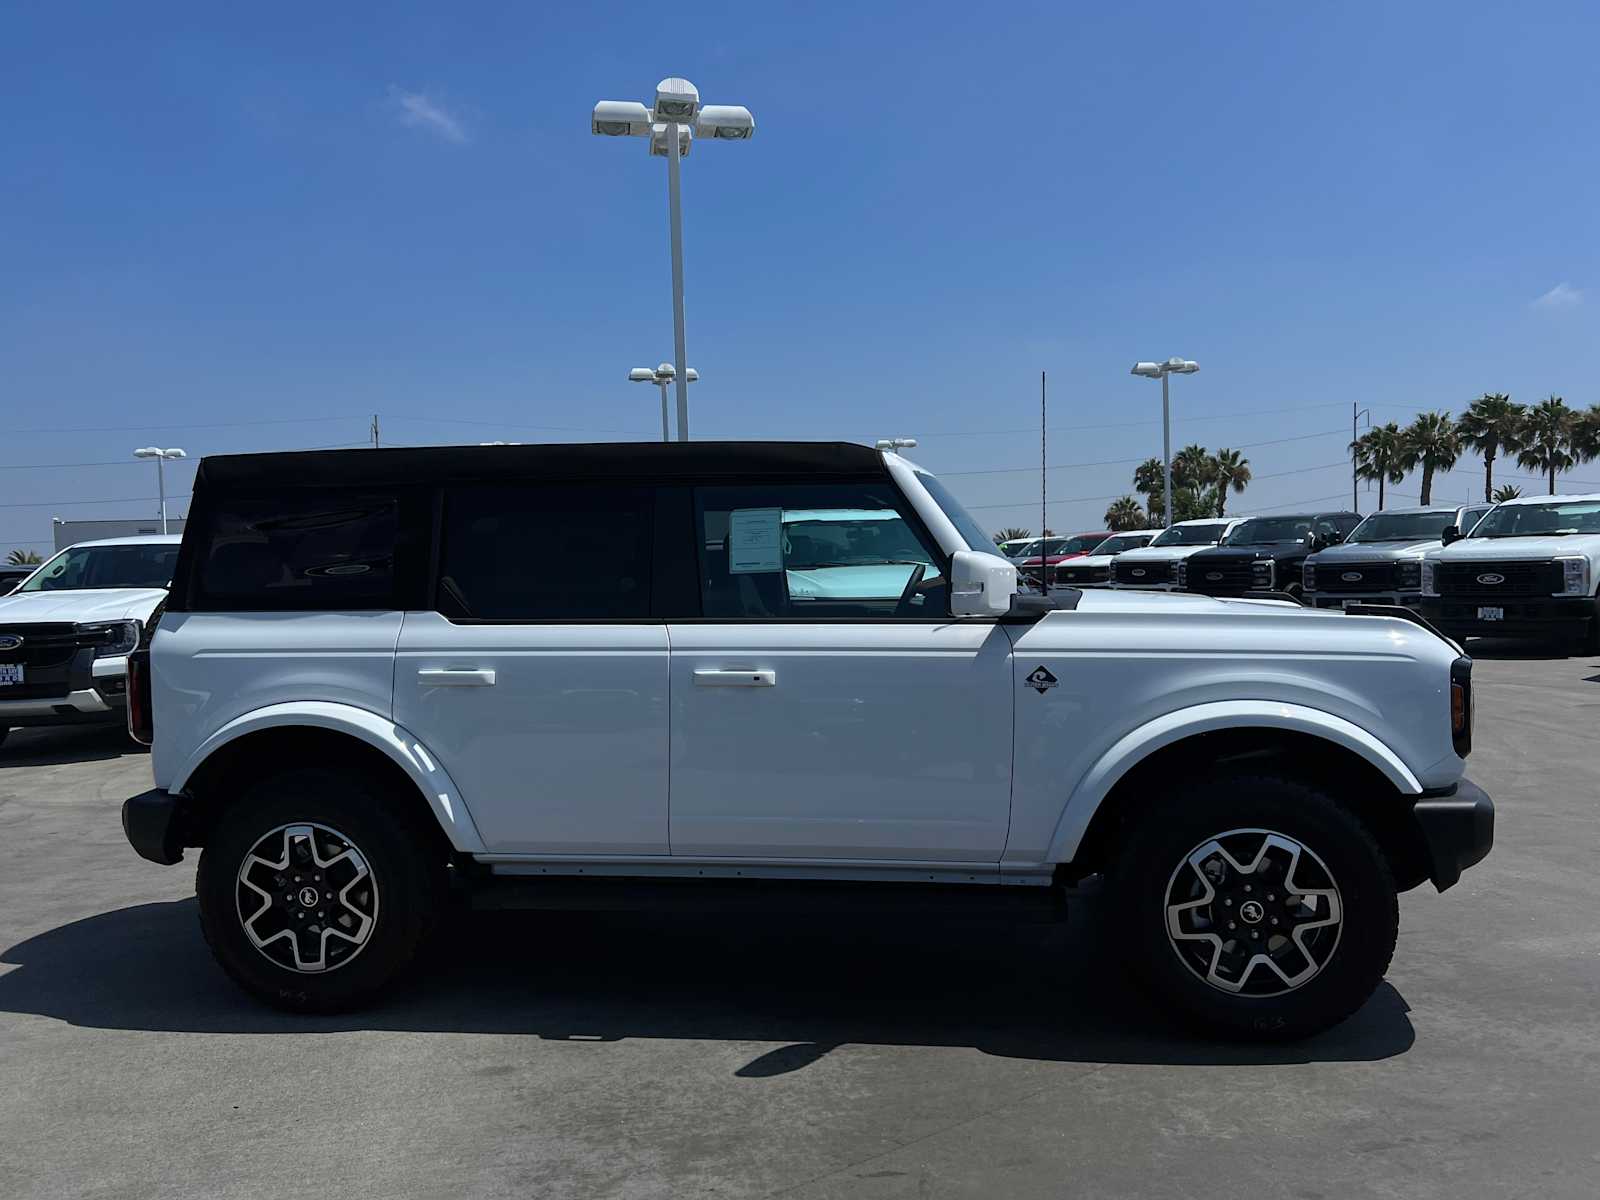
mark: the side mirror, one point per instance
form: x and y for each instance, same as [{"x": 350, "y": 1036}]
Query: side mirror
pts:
[
  {"x": 1451, "y": 534},
  {"x": 981, "y": 585}
]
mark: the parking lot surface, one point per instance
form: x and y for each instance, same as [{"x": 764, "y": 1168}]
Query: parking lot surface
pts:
[{"x": 558, "y": 1055}]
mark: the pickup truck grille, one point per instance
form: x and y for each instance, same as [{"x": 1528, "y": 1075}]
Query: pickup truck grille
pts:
[
  {"x": 1375, "y": 577},
  {"x": 1067, "y": 574},
  {"x": 1489, "y": 579},
  {"x": 47, "y": 654},
  {"x": 1233, "y": 577},
  {"x": 1153, "y": 572}
]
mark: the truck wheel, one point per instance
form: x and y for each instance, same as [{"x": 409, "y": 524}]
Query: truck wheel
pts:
[
  {"x": 314, "y": 892},
  {"x": 1254, "y": 906}
]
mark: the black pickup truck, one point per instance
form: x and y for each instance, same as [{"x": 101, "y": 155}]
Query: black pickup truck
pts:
[{"x": 1263, "y": 554}]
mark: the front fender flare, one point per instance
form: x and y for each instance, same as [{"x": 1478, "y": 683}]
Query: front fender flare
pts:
[
  {"x": 1168, "y": 728},
  {"x": 396, "y": 742}
]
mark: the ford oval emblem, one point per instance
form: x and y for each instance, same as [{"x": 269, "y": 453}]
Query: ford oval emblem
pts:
[
  {"x": 1213, "y": 576},
  {"x": 10, "y": 641},
  {"x": 1351, "y": 577},
  {"x": 1138, "y": 572},
  {"x": 1490, "y": 579}
]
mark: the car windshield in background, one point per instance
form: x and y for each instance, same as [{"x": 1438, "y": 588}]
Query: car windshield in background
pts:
[
  {"x": 848, "y": 538},
  {"x": 83, "y": 567},
  {"x": 971, "y": 532},
  {"x": 1192, "y": 535},
  {"x": 1128, "y": 541},
  {"x": 1403, "y": 527},
  {"x": 1541, "y": 520},
  {"x": 1081, "y": 544},
  {"x": 1262, "y": 531}
]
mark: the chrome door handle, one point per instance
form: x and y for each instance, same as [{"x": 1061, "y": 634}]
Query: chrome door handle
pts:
[
  {"x": 455, "y": 677},
  {"x": 734, "y": 677}
]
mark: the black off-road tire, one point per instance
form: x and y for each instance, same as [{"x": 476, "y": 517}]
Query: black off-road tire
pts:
[
  {"x": 1148, "y": 863},
  {"x": 406, "y": 870}
]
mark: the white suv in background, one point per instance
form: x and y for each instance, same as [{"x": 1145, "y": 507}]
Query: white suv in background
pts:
[
  {"x": 1155, "y": 568},
  {"x": 66, "y": 633},
  {"x": 385, "y": 672}
]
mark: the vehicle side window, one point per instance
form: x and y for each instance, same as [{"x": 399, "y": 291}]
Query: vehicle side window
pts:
[
  {"x": 546, "y": 552},
  {"x": 298, "y": 551},
  {"x": 815, "y": 550}
]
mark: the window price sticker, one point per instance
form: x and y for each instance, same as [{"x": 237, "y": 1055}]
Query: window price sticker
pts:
[{"x": 755, "y": 541}]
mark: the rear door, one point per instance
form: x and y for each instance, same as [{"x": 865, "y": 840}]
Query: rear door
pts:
[
  {"x": 825, "y": 705},
  {"x": 540, "y": 680}
]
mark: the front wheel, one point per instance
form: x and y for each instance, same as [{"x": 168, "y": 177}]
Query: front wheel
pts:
[
  {"x": 1254, "y": 906},
  {"x": 315, "y": 890}
]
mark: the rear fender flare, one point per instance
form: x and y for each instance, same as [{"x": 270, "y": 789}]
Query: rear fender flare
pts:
[
  {"x": 1135, "y": 746},
  {"x": 397, "y": 743}
]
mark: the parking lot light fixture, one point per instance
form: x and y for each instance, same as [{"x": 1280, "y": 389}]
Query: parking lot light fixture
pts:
[
  {"x": 671, "y": 125},
  {"x": 161, "y": 456},
  {"x": 895, "y": 445},
  {"x": 1160, "y": 370},
  {"x": 662, "y": 375}
]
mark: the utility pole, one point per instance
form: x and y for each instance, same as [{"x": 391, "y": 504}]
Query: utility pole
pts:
[
  {"x": 1355, "y": 419},
  {"x": 374, "y": 431},
  {"x": 1043, "y": 518}
]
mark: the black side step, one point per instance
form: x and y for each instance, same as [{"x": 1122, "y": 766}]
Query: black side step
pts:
[{"x": 793, "y": 897}]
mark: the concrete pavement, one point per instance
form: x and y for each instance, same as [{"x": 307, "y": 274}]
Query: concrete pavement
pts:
[{"x": 608, "y": 1055}]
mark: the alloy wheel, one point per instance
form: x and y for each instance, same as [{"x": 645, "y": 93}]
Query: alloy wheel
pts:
[
  {"x": 307, "y": 898},
  {"x": 1253, "y": 912}
]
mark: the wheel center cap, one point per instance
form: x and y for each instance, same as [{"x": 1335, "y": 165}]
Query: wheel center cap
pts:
[
  {"x": 1251, "y": 912},
  {"x": 308, "y": 898}
]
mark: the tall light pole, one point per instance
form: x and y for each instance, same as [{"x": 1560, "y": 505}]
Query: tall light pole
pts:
[
  {"x": 161, "y": 456},
  {"x": 1355, "y": 436},
  {"x": 1154, "y": 370},
  {"x": 662, "y": 375},
  {"x": 671, "y": 126}
]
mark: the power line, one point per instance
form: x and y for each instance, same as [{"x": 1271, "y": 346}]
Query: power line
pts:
[
  {"x": 185, "y": 425},
  {"x": 64, "y": 503},
  {"x": 1255, "y": 412},
  {"x": 1116, "y": 462}
]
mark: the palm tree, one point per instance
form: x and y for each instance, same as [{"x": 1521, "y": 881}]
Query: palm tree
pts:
[
  {"x": 1506, "y": 491},
  {"x": 1191, "y": 468},
  {"x": 1010, "y": 533},
  {"x": 1431, "y": 442},
  {"x": 1124, "y": 513},
  {"x": 23, "y": 558},
  {"x": 1492, "y": 423},
  {"x": 1551, "y": 439},
  {"x": 1377, "y": 454},
  {"x": 1230, "y": 470}
]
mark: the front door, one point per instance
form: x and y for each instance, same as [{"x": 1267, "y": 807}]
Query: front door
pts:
[
  {"x": 541, "y": 682},
  {"x": 826, "y": 706}
]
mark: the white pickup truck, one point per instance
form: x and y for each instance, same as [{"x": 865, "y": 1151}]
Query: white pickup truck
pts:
[
  {"x": 66, "y": 632},
  {"x": 609, "y": 674},
  {"x": 1529, "y": 569}
]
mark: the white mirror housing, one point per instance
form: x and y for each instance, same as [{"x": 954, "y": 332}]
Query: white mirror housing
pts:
[{"x": 981, "y": 585}]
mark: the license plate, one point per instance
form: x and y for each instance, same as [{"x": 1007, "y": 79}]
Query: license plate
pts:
[
  {"x": 1491, "y": 614},
  {"x": 10, "y": 673}
]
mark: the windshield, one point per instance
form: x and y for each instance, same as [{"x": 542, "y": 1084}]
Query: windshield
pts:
[
  {"x": 1554, "y": 519},
  {"x": 1470, "y": 518},
  {"x": 971, "y": 532},
  {"x": 1262, "y": 531},
  {"x": 1079, "y": 544},
  {"x": 1404, "y": 527},
  {"x": 1123, "y": 541},
  {"x": 1192, "y": 535},
  {"x": 81, "y": 567}
]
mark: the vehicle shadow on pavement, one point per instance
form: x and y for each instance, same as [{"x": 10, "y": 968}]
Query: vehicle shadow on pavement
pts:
[
  {"x": 1047, "y": 992},
  {"x": 58, "y": 745}
]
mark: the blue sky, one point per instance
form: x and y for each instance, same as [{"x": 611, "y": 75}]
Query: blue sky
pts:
[{"x": 234, "y": 229}]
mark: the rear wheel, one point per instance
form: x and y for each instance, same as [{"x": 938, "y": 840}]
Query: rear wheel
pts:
[
  {"x": 315, "y": 891},
  {"x": 1254, "y": 906}
]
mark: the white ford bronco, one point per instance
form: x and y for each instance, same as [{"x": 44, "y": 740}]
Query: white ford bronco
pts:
[
  {"x": 67, "y": 631},
  {"x": 578, "y": 673}
]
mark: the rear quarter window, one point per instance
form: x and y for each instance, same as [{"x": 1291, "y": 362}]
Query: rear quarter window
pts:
[{"x": 293, "y": 550}]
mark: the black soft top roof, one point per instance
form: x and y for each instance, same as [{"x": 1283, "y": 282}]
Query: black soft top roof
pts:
[{"x": 683, "y": 462}]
